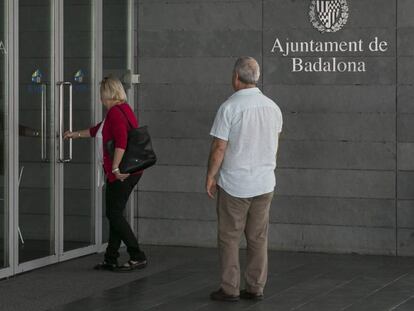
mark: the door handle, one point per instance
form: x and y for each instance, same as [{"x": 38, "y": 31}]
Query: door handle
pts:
[
  {"x": 43, "y": 122},
  {"x": 61, "y": 121}
]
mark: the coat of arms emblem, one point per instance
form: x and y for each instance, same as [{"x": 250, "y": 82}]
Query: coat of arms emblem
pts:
[{"x": 328, "y": 15}]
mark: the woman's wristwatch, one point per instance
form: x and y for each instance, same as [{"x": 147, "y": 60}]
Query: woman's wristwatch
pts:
[{"x": 115, "y": 170}]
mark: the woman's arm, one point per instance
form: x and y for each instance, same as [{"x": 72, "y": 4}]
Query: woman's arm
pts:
[
  {"x": 77, "y": 134},
  {"x": 118, "y": 154}
]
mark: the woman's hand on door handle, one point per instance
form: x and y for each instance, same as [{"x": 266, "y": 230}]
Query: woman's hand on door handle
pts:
[
  {"x": 71, "y": 135},
  {"x": 77, "y": 134}
]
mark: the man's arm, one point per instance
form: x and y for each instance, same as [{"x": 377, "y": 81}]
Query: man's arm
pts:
[{"x": 217, "y": 151}]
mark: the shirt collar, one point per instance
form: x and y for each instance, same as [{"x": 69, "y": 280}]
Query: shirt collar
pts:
[{"x": 249, "y": 91}]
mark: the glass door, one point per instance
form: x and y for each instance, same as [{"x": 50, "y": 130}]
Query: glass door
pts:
[
  {"x": 56, "y": 219},
  {"x": 117, "y": 61},
  {"x": 64, "y": 48},
  {"x": 79, "y": 83},
  {"x": 36, "y": 179}
]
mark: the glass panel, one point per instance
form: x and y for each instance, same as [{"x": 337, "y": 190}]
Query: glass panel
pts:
[
  {"x": 3, "y": 204},
  {"x": 79, "y": 229},
  {"x": 115, "y": 56},
  {"x": 36, "y": 204},
  {"x": 115, "y": 38}
]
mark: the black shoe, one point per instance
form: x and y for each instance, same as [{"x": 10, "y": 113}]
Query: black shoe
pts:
[
  {"x": 132, "y": 265},
  {"x": 220, "y": 295},
  {"x": 104, "y": 265},
  {"x": 244, "y": 294}
]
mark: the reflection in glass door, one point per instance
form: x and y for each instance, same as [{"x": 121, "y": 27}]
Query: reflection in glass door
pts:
[
  {"x": 36, "y": 221},
  {"x": 78, "y": 207}
]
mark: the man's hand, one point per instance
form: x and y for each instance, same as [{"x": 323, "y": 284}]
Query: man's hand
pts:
[
  {"x": 211, "y": 186},
  {"x": 217, "y": 150}
]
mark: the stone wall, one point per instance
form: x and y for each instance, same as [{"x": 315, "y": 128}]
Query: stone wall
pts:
[{"x": 345, "y": 171}]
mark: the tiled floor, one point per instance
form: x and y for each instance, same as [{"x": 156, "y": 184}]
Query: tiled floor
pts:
[{"x": 182, "y": 278}]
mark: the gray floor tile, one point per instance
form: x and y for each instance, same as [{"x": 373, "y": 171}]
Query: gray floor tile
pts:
[{"x": 180, "y": 278}]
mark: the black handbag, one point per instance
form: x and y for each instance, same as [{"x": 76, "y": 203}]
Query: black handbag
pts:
[{"x": 139, "y": 153}]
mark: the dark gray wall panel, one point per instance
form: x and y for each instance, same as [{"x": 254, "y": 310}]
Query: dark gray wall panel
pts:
[
  {"x": 333, "y": 211},
  {"x": 176, "y": 232},
  {"x": 216, "y": 43},
  {"x": 405, "y": 214},
  {"x": 405, "y": 13},
  {"x": 341, "y": 169},
  {"x": 336, "y": 155},
  {"x": 292, "y": 154},
  {"x": 332, "y": 239},
  {"x": 173, "y": 178},
  {"x": 406, "y": 41},
  {"x": 405, "y": 128},
  {"x": 406, "y": 99},
  {"x": 185, "y": 152},
  {"x": 187, "y": 70},
  {"x": 405, "y": 156},
  {"x": 281, "y": 237},
  {"x": 405, "y": 185},
  {"x": 245, "y": 15},
  {"x": 406, "y": 70},
  {"x": 335, "y": 183},
  {"x": 173, "y": 97},
  {"x": 406, "y": 242},
  {"x": 178, "y": 124},
  {"x": 284, "y": 210},
  {"x": 333, "y": 98},
  {"x": 336, "y": 126},
  {"x": 176, "y": 205}
]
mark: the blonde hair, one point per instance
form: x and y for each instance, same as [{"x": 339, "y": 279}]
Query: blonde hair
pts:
[{"x": 111, "y": 88}]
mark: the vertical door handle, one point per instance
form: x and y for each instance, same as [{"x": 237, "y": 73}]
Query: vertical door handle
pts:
[
  {"x": 43, "y": 122},
  {"x": 61, "y": 121}
]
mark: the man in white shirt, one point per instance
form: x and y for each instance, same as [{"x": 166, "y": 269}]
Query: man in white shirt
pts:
[{"x": 241, "y": 169}]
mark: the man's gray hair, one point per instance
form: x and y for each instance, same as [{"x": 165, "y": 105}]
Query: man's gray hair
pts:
[{"x": 247, "y": 69}]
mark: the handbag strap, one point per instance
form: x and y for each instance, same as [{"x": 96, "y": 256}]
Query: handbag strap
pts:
[{"x": 126, "y": 117}]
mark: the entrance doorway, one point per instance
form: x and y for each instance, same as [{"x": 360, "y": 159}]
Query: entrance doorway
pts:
[{"x": 50, "y": 200}]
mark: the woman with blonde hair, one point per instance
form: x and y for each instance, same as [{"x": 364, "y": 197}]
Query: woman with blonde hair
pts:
[{"x": 118, "y": 120}]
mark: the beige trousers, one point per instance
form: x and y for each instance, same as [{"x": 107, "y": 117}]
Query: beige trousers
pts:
[{"x": 236, "y": 215}]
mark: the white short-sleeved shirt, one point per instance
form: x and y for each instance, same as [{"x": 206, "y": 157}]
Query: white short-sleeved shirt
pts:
[{"x": 251, "y": 123}]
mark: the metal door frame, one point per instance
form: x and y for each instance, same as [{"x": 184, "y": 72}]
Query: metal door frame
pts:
[{"x": 8, "y": 118}]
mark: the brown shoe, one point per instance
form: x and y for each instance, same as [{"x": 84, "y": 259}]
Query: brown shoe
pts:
[
  {"x": 244, "y": 294},
  {"x": 220, "y": 295}
]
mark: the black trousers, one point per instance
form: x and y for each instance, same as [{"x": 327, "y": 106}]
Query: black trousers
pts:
[{"x": 116, "y": 197}]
